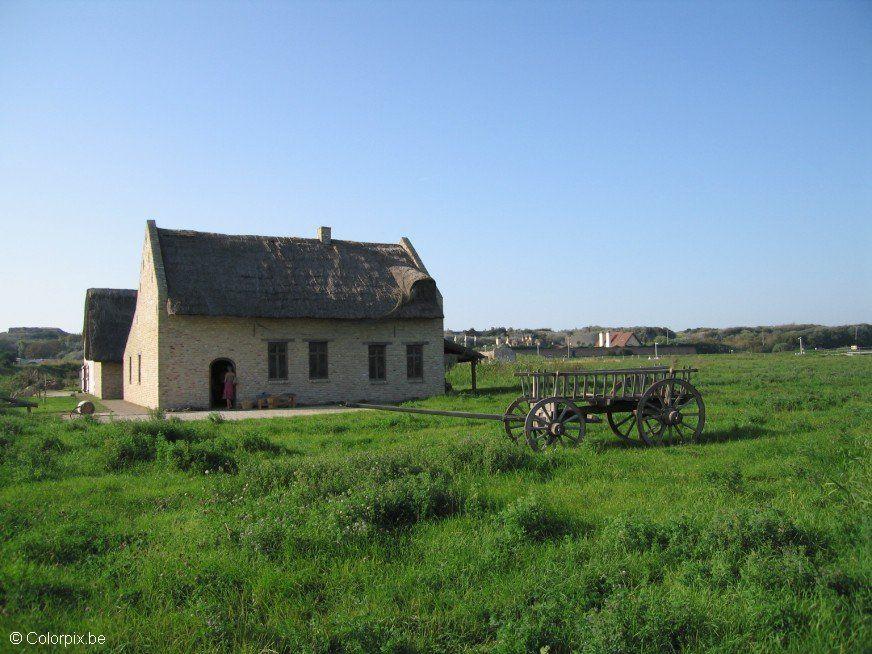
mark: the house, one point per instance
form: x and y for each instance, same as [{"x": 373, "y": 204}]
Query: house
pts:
[
  {"x": 580, "y": 338},
  {"x": 108, "y": 315},
  {"x": 617, "y": 339},
  {"x": 501, "y": 353},
  {"x": 324, "y": 319}
]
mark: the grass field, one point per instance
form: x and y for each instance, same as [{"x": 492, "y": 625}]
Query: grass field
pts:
[
  {"x": 374, "y": 532},
  {"x": 58, "y": 404}
]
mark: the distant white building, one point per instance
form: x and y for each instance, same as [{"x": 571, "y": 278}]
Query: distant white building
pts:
[{"x": 617, "y": 339}]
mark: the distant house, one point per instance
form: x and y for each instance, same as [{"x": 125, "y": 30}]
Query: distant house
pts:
[
  {"x": 501, "y": 353},
  {"x": 108, "y": 316},
  {"x": 617, "y": 339},
  {"x": 324, "y": 319},
  {"x": 580, "y": 338}
]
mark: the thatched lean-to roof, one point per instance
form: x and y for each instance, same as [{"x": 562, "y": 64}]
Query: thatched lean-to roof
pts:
[
  {"x": 281, "y": 277},
  {"x": 464, "y": 354},
  {"x": 108, "y": 316}
]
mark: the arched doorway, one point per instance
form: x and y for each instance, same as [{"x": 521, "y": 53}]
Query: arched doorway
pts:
[{"x": 216, "y": 381}]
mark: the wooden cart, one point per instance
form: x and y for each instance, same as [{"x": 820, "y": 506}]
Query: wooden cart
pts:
[{"x": 659, "y": 404}]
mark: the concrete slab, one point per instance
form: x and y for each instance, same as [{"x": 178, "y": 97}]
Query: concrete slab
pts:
[{"x": 121, "y": 408}]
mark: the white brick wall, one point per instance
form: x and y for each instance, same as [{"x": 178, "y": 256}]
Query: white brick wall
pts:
[
  {"x": 143, "y": 339},
  {"x": 191, "y": 343},
  {"x": 104, "y": 380}
]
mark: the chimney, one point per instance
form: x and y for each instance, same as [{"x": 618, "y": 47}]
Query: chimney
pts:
[
  {"x": 324, "y": 235},
  {"x": 599, "y": 340},
  {"x": 608, "y": 339}
]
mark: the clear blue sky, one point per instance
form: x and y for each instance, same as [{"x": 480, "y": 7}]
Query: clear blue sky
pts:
[{"x": 555, "y": 164}]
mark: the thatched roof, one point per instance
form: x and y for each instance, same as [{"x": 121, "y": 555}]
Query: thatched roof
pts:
[
  {"x": 464, "y": 354},
  {"x": 108, "y": 316},
  {"x": 281, "y": 277}
]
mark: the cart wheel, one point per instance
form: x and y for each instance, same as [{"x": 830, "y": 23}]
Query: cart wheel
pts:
[
  {"x": 554, "y": 420},
  {"x": 670, "y": 410},
  {"x": 622, "y": 424},
  {"x": 514, "y": 418}
]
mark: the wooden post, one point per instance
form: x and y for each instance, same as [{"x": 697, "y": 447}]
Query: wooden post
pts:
[{"x": 472, "y": 363}]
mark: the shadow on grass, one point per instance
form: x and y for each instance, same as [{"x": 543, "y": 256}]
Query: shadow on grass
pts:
[
  {"x": 484, "y": 390},
  {"x": 736, "y": 433},
  {"x": 611, "y": 442}
]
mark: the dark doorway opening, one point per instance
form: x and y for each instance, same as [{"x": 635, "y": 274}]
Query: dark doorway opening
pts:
[{"x": 216, "y": 382}]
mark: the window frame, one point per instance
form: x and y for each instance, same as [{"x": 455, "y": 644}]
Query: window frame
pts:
[
  {"x": 138, "y": 368},
  {"x": 129, "y": 368},
  {"x": 377, "y": 353},
  {"x": 319, "y": 356},
  {"x": 279, "y": 358},
  {"x": 415, "y": 359}
]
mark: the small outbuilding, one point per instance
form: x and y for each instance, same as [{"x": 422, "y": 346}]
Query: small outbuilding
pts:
[
  {"x": 457, "y": 353},
  {"x": 108, "y": 316}
]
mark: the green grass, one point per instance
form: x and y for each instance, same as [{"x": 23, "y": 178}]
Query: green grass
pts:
[
  {"x": 370, "y": 532},
  {"x": 59, "y": 404}
]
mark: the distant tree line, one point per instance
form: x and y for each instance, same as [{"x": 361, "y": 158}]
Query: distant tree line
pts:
[
  {"x": 780, "y": 338},
  {"x": 40, "y": 343},
  {"x": 711, "y": 340}
]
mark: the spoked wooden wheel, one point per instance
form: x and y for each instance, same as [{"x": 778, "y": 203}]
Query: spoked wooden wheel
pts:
[
  {"x": 622, "y": 424},
  {"x": 554, "y": 420},
  {"x": 671, "y": 410},
  {"x": 515, "y": 417}
]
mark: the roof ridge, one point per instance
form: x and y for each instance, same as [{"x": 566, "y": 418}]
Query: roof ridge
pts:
[{"x": 194, "y": 232}]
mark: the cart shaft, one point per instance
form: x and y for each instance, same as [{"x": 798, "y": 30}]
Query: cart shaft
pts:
[{"x": 433, "y": 412}]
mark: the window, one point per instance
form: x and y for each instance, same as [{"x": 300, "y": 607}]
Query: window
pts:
[
  {"x": 318, "y": 360},
  {"x": 377, "y": 362},
  {"x": 138, "y": 368},
  {"x": 277, "y": 355},
  {"x": 415, "y": 361},
  {"x": 130, "y": 369}
]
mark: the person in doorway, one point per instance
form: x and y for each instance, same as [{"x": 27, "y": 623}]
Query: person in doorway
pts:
[{"x": 229, "y": 386}]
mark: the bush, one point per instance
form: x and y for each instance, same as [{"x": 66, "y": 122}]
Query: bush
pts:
[
  {"x": 529, "y": 518},
  {"x": 265, "y": 534},
  {"x": 52, "y": 444},
  {"x": 765, "y": 529},
  {"x": 40, "y": 463},
  {"x": 129, "y": 443},
  {"x": 204, "y": 457},
  {"x": 172, "y": 430},
  {"x": 400, "y": 503},
  {"x": 12, "y": 425},
  {"x": 259, "y": 443},
  {"x": 126, "y": 449}
]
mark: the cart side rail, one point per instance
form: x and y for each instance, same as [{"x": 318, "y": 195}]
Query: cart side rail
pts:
[{"x": 591, "y": 384}]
